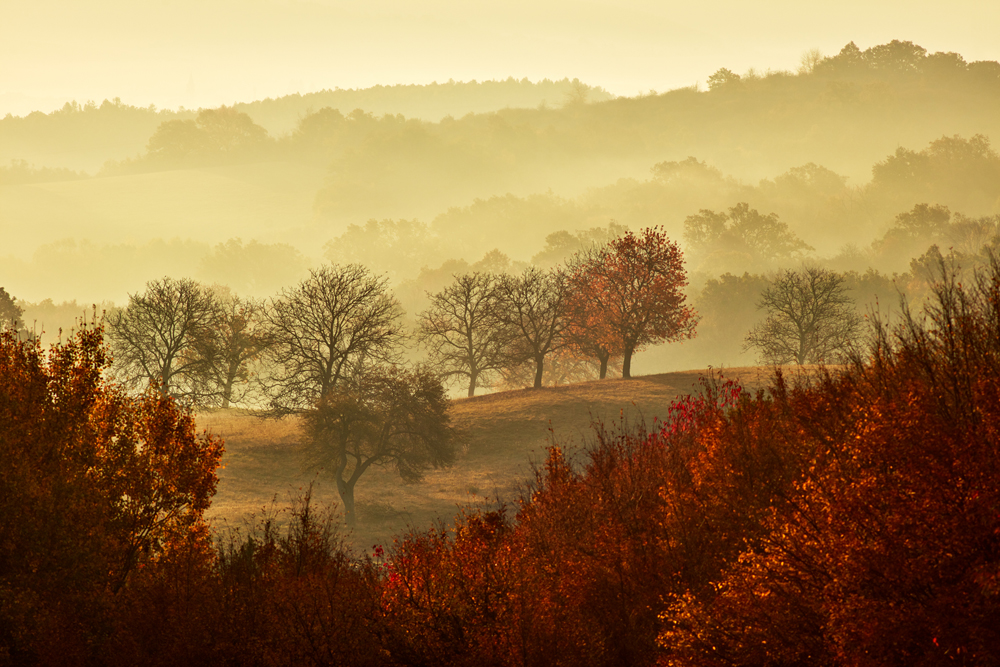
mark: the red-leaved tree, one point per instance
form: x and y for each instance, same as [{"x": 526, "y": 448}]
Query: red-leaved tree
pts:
[{"x": 629, "y": 295}]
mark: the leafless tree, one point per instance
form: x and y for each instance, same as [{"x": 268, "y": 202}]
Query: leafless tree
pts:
[
  {"x": 241, "y": 338},
  {"x": 336, "y": 319},
  {"x": 387, "y": 416},
  {"x": 534, "y": 305},
  {"x": 811, "y": 319},
  {"x": 161, "y": 335},
  {"x": 463, "y": 330}
]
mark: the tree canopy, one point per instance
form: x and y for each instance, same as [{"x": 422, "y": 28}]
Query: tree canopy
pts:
[
  {"x": 322, "y": 330},
  {"x": 96, "y": 486},
  {"x": 810, "y": 319},
  {"x": 386, "y": 416},
  {"x": 633, "y": 290}
]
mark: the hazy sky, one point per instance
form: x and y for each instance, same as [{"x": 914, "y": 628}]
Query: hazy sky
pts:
[{"x": 208, "y": 52}]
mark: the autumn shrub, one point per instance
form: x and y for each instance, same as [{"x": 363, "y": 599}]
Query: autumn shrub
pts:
[
  {"x": 454, "y": 596},
  {"x": 852, "y": 519},
  {"x": 581, "y": 572},
  {"x": 888, "y": 550},
  {"x": 94, "y": 486}
]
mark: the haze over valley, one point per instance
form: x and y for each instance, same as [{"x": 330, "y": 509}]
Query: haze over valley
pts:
[{"x": 525, "y": 333}]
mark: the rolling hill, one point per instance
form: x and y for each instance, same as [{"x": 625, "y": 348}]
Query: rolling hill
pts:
[{"x": 500, "y": 436}]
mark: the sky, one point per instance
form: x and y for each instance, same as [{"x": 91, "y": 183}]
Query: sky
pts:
[{"x": 203, "y": 53}]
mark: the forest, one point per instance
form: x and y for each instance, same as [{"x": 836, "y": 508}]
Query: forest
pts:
[{"x": 360, "y": 265}]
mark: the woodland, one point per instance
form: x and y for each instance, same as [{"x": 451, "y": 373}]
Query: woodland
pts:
[{"x": 838, "y": 226}]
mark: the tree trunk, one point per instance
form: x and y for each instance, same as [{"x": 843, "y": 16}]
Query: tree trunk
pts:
[
  {"x": 346, "y": 490},
  {"x": 539, "y": 369},
  {"x": 604, "y": 358},
  {"x": 627, "y": 363},
  {"x": 227, "y": 392},
  {"x": 472, "y": 384}
]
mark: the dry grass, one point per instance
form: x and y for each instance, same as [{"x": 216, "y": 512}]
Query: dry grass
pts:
[{"x": 500, "y": 435}]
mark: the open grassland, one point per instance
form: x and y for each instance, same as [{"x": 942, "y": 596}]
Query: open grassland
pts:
[{"x": 500, "y": 436}]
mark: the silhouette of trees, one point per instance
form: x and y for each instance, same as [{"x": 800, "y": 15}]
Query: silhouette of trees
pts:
[
  {"x": 464, "y": 331},
  {"x": 176, "y": 140},
  {"x": 394, "y": 247},
  {"x": 742, "y": 235},
  {"x": 533, "y": 305},
  {"x": 339, "y": 318},
  {"x": 722, "y": 78},
  {"x": 952, "y": 171},
  {"x": 253, "y": 268},
  {"x": 10, "y": 312},
  {"x": 811, "y": 319},
  {"x": 162, "y": 337},
  {"x": 632, "y": 292},
  {"x": 562, "y": 245},
  {"x": 238, "y": 344},
  {"x": 385, "y": 416},
  {"x": 222, "y": 133}
]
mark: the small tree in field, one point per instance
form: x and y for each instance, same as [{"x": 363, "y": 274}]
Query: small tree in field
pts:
[
  {"x": 241, "y": 338},
  {"x": 387, "y": 416},
  {"x": 629, "y": 295},
  {"x": 464, "y": 332},
  {"x": 588, "y": 332},
  {"x": 810, "y": 319},
  {"x": 533, "y": 305}
]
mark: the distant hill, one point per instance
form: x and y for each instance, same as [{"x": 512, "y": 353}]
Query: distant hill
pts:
[
  {"x": 430, "y": 102},
  {"x": 85, "y": 136}
]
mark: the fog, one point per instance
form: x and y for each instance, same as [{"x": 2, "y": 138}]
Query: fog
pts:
[{"x": 424, "y": 140}]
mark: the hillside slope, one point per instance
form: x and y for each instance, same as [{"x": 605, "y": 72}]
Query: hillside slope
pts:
[{"x": 500, "y": 436}]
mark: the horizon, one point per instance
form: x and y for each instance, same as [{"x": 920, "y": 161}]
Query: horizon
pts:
[{"x": 203, "y": 55}]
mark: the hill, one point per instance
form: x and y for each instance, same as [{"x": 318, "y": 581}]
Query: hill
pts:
[
  {"x": 85, "y": 136},
  {"x": 500, "y": 436}
]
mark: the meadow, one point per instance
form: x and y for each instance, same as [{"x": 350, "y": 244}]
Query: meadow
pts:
[{"x": 500, "y": 437}]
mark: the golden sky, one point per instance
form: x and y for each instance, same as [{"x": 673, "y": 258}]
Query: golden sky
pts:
[{"x": 209, "y": 52}]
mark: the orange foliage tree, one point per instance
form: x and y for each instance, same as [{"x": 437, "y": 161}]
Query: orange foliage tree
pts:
[
  {"x": 93, "y": 485},
  {"x": 886, "y": 548},
  {"x": 629, "y": 295}
]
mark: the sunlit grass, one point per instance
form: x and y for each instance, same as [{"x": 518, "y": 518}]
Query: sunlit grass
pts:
[{"x": 500, "y": 436}]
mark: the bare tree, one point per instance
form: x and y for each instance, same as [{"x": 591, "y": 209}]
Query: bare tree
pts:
[
  {"x": 241, "y": 339},
  {"x": 810, "y": 319},
  {"x": 161, "y": 335},
  {"x": 387, "y": 416},
  {"x": 534, "y": 305},
  {"x": 336, "y": 319},
  {"x": 463, "y": 330}
]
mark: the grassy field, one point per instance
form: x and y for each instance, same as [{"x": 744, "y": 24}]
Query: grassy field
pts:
[{"x": 500, "y": 436}]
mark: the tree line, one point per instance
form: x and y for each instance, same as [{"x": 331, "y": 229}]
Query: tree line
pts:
[{"x": 208, "y": 347}]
